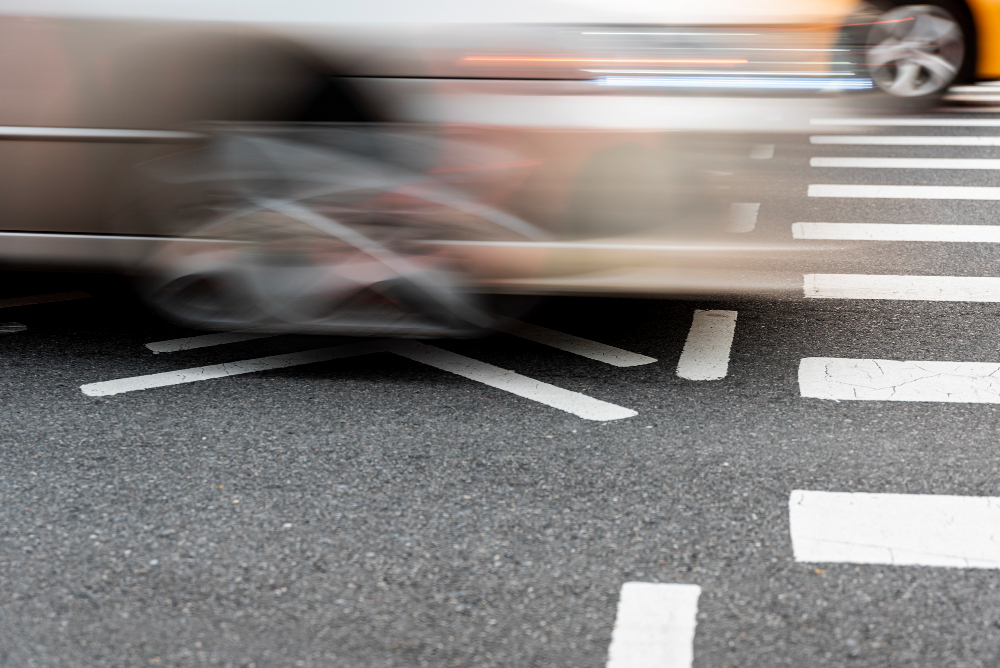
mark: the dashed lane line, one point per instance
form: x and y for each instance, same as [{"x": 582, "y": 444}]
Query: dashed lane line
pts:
[
  {"x": 11, "y": 302},
  {"x": 743, "y": 216},
  {"x": 906, "y": 163},
  {"x": 578, "y": 404},
  {"x": 895, "y": 529},
  {"x": 898, "y": 140},
  {"x": 905, "y": 192},
  {"x": 706, "y": 351},
  {"x": 912, "y": 122},
  {"x": 654, "y": 626},
  {"x": 897, "y": 232},
  {"x": 843, "y": 379},
  {"x": 907, "y": 288},
  {"x": 600, "y": 352},
  {"x": 206, "y": 340}
]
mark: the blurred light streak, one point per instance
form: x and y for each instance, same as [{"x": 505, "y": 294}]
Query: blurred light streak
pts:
[
  {"x": 532, "y": 59},
  {"x": 771, "y": 83}
]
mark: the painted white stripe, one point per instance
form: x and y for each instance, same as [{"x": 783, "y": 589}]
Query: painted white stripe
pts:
[
  {"x": 11, "y": 327},
  {"x": 906, "y": 192},
  {"x": 872, "y": 140},
  {"x": 11, "y": 302},
  {"x": 654, "y": 626},
  {"x": 193, "y": 375},
  {"x": 842, "y": 379},
  {"x": 762, "y": 152},
  {"x": 895, "y": 529},
  {"x": 600, "y": 352},
  {"x": 22, "y": 132},
  {"x": 578, "y": 404},
  {"x": 912, "y": 288},
  {"x": 550, "y": 395},
  {"x": 706, "y": 350},
  {"x": 907, "y": 163},
  {"x": 897, "y": 232},
  {"x": 912, "y": 122},
  {"x": 206, "y": 340},
  {"x": 743, "y": 216}
]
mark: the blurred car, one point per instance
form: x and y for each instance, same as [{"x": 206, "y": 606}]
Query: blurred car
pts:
[{"x": 385, "y": 167}]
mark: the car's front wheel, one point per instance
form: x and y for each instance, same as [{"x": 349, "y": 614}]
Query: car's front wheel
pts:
[{"x": 916, "y": 52}]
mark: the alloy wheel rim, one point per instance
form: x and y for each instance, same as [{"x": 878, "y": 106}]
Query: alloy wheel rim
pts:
[{"x": 915, "y": 51}]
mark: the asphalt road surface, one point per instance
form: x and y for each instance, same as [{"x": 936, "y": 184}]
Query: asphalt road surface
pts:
[{"x": 823, "y": 477}]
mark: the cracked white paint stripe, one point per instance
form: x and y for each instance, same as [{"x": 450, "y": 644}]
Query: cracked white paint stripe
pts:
[
  {"x": 654, "y": 626},
  {"x": 845, "y": 379},
  {"x": 600, "y": 352},
  {"x": 910, "y": 288},
  {"x": 907, "y": 163},
  {"x": 743, "y": 216},
  {"x": 897, "y": 232},
  {"x": 912, "y": 122},
  {"x": 899, "y": 140},
  {"x": 11, "y": 302},
  {"x": 578, "y": 404},
  {"x": 709, "y": 342},
  {"x": 905, "y": 192},
  {"x": 206, "y": 340},
  {"x": 895, "y": 529}
]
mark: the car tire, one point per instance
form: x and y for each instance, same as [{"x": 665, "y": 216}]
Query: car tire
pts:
[{"x": 915, "y": 52}]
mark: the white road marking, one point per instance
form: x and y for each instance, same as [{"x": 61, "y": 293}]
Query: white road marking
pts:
[
  {"x": 11, "y": 327},
  {"x": 600, "y": 352},
  {"x": 895, "y": 529},
  {"x": 11, "y": 302},
  {"x": 890, "y": 140},
  {"x": 109, "y": 387},
  {"x": 907, "y": 163},
  {"x": 578, "y": 404},
  {"x": 654, "y": 626},
  {"x": 897, "y": 232},
  {"x": 743, "y": 216},
  {"x": 906, "y": 192},
  {"x": 509, "y": 381},
  {"x": 762, "y": 152},
  {"x": 911, "y": 288},
  {"x": 842, "y": 379},
  {"x": 912, "y": 122},
  {"x": 205, "y": 340},
  {"x": 706, "y": 350}
]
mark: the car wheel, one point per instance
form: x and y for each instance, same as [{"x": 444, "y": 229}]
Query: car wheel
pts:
[{"x": 916, "y": 52}]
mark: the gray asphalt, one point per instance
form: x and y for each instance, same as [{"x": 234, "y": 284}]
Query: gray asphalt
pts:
[{"x": 376, "y": 512}]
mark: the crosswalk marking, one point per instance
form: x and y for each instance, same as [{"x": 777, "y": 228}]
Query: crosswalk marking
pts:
[
  {"x": 843, "y": 379},
  {"x": 906, "y": 192},
  {"x": 600, "y": 352},
  {"x": 578, "y": 404},
  {"x": 912, "y": 122},
  {"x": 205, "y": 340},
  {"x": 906, "y": 163},
  {"x": 898, "y": 140},
  {"x": 654, "y": 626},
  {"x": 707, "y": 348},
  {"x": 897, "y": 232},
  {"x": 12, "y": 302},
  {"x": 762, "y": 152},
  {"x": 895, "y": 529},
  {"x": 910, "y": 288}
]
